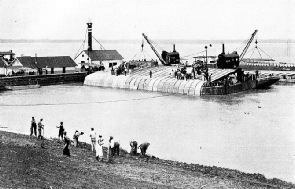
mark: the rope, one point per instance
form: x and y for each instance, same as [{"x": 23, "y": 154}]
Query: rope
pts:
[
  {"x": 252, "y": 54},
  {"x": 259, "y": 53},
  {"x": 264, "y": 52},
  {"x": 82, "y": 44},
  {"x": 99, "y": 43},
  {"x": 134, "y": 56},
  {"x": 193, "y": 54},
  {"x": 147, "y": 54},
  {"x": 98, "y": 102},
  {"x": 253, "y": 49}
]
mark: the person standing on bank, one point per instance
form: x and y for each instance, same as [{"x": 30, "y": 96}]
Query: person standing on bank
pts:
[
  {"x": 33, "y": 127},
  {"x": 133, "y": 145},
  {"x": 40, "y": 128},
  {"x": 93, "y": 138},
  {"x": 116, "y": 150},
  {"x": 110, "y": 149},
  {"x": 151, "y": 73},
  {"x": 61, "y": 130},
  {"x": 66, "y": 150},
  {"x": 99, "y": 149},
  {"x": 143, "y": 147},
  {"x": 76, "y": 137}
]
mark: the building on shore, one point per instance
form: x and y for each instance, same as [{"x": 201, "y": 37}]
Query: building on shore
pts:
[
  {"x": 6, "y": 58},
  {"x": 42, "y": 65},
  {"x": 3, "y": 67},
  {"x": 97, "y": 59}
]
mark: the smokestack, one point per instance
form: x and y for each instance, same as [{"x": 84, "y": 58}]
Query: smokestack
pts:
[
  {"x": 174, "y": 48},
  {"x": 89, "y": 36},
  {"x": 35, "y": 58},
  {"x": 223, "y": 52},
  {"x": 11, "y": 56}
]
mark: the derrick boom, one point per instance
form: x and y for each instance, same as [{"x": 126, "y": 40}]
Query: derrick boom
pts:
[
  {"x": 153, "y": 48},
  {"x": 248, "y": 44}
]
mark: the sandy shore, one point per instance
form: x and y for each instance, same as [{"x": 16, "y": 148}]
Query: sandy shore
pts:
[{"x": 24, "y": 164}]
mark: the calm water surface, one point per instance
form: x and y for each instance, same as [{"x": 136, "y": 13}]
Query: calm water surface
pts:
[{"x": 252, "y": 132}]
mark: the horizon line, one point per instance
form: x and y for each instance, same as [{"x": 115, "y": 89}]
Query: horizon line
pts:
[{"x": 136, "y": 40}]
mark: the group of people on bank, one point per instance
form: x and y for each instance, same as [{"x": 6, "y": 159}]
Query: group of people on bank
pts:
[
  {"x": 113, "y": 147},
  {"x": 97, "y": 143}
]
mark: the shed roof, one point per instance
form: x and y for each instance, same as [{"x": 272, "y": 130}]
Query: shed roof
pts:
[
  {"x": 100, "y": 55},
  {"x": 6, "y": 53},
  {"x": 50, "y": 62}
]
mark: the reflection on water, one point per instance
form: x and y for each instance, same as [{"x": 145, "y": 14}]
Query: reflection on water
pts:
[{"x": 250, "y": 131}]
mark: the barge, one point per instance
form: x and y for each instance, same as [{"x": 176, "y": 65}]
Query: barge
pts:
[{"x": 15, "y": 82}]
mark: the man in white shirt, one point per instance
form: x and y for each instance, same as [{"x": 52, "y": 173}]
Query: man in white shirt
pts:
[{"x": 93, "y": 138}]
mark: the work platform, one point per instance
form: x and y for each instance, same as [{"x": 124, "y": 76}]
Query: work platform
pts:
[{"x": 163, "y": 80}]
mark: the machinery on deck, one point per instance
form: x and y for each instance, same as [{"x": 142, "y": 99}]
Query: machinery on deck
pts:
[
  {"x": 166, "y": 58},
  {"x": 232, "y": 60}
]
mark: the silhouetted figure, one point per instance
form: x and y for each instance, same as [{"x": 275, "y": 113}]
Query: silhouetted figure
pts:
[
  {"x": 76, "y": 137},
  {"x": 116, "y": 149},
  {"x": 61, "y": 130},
  {"x": 133, "y": 145},
  {"x": 143, "y": 147},
  {"x": 93, "y": 138},
  {"x": 33, "y": 127},
  {"x": 66, "y": 150}
]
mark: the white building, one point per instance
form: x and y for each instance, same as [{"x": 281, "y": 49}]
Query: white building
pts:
[
  {"x": 5, "y": 59},
  {"x": 98, "y": 58}
]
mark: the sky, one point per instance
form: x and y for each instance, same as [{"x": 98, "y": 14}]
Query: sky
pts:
[{"x": 158, "y": 19}]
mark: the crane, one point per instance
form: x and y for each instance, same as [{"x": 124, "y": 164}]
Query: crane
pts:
[
  {"x": 153, "y": 48},
  {"x": 248, "y": 44}
]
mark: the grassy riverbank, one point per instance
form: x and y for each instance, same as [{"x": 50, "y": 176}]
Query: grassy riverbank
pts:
[{"x": 24, "y": 164}]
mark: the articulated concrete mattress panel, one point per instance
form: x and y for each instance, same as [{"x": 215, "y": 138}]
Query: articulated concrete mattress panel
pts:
[
  {"x": 115, "y": 82},
  {"x": 181, "y": 87},
  {"x": 146, "y": 84},
  {"x": 192, "y": 88},
  {"x": 199, "y": 88},
  {"x": 106, "y": 80},
  {"x": 176, "y": 86},
  {"x": 187, "y": 86},
  {"x": 128, "y": 80},
  {"x": 151, "y": 84},
  {"x": 161, "y": 84},
  {"x": 155, "y": 86},
  {"x": 122, "y": 83},
  {"x": 136, "y": 84},
  {"x": 141, "y": 84},
  {"x": 168, "y": 86},
  {"x": 132, "y": 82}
]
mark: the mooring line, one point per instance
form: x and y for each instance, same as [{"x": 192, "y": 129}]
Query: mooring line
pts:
[{"x": 99, "y": 102}]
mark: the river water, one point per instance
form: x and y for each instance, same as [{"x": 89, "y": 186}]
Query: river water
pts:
[{"x": 250, "y": 131}]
